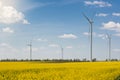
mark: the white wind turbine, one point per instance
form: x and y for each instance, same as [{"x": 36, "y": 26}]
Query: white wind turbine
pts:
[
  {"x": 91, "y": 35},
  {"x": 30, "y": 45},
  {"x": 109, "y": 47}
]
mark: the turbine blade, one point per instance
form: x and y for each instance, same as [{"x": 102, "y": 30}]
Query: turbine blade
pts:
[
  {"x": 108, "y": 35},
  {"x": 87, "y": 18}
]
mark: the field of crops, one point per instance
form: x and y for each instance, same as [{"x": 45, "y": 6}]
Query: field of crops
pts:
[{"x": 59, "y": 71}]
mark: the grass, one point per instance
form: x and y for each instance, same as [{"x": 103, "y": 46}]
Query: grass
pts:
[{"x": 60, "y": 71}]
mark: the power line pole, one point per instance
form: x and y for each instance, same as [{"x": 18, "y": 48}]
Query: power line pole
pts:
[
  {"x": 91, "y": 35},
  {"x": 30, "y": 45}
]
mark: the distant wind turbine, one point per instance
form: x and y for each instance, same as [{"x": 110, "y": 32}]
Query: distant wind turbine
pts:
[
  {"x": 30, "y": 45},
  {"x": 61, "y": 52},
  {"x": 91, "y": 35},
  {"x": 61, "y": 48},
  {"x": 109, "y": 41}
]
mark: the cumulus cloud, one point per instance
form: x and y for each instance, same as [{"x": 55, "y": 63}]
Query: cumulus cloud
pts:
[
  {"x": 35, "y": 5},
  {"x": 116, "y": 50},
  {"x": 116, "y": 14},
  {"x": 9, "y": 15},
  {"x": 4, "y": 45},
  {"x": 42, "y": 40},
  {"x": 34, "y": 49},
  {"x": 102, "y": 36},
  {"x": 118, "y": 34},
  {"x": 98, "y": 3},
  {"x": 88, "y": 34},
  {"x": 102, "y": 15},
  {"x": 7, "y": 48},
  {"x": 69, "y": 47},
  {"x": 111, "y": 25},
  {"x": 7, "y": 30},
  {"x": 54, "y": 45},
  {"x": 68, "y": 36}
]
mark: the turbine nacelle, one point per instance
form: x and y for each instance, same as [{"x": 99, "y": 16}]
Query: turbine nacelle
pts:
[{"x": 89, "y": 20}]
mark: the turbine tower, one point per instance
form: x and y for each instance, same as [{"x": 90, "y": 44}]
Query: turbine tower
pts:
[
  {"x": 109, "y": 48},
  {"x": 91, "y": 35},
  {"x": 30, "y": 45},
  {"x": 62, "y": 52},
  {"x": 61, "y": 48}
]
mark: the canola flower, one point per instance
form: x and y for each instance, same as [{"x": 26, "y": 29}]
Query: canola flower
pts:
[{"x": 60, "y": 71}]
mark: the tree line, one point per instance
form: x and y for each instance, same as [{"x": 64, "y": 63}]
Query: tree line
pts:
[{"x": 54, "y": 60}]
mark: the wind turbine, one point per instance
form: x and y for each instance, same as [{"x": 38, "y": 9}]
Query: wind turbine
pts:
[
  {"x": 61, "y": 49},
  {"x": 91, "y": 35},
  {"x": 30, "y": 45},
  {"x": 61, "y": 52},
  {"x": 109, "y": 48}
]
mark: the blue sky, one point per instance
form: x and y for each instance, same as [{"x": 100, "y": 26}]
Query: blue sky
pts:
[{"x": 50, "y": 24}]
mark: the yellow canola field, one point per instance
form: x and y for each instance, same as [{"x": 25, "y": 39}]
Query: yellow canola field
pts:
[{"x": 60, "y": 71}]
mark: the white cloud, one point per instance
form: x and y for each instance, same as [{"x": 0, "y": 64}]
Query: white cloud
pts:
[
  {"x": 34, "y": 49},
  {"x": 53, "y": 45},
  {"x": 88, "y": 34},
  {"x": 7, "y": 30},
  {"x": 102, "y": 15},
  {"x": 116, "y": 14},
  {"x": 116, "y": 50},
  {"x": 27, "y": 5},
  {"x": 25, "y": 21},
  {"x": 98, "y": 3},
  {"x": 7, "y": 48},
  {"x": 69, "y": 36},
  {"x": 4, "y": 45},
  {"x": 118, "y": 34},
  {"x": 111, "y": 25},
  {"x": 42, "y": 40},
  {"x": 43, "y": 48},
  {"x": 69, "y": 47},
  {"x": 103, "y": 36},
  {"x": 9, "y": 15}
]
